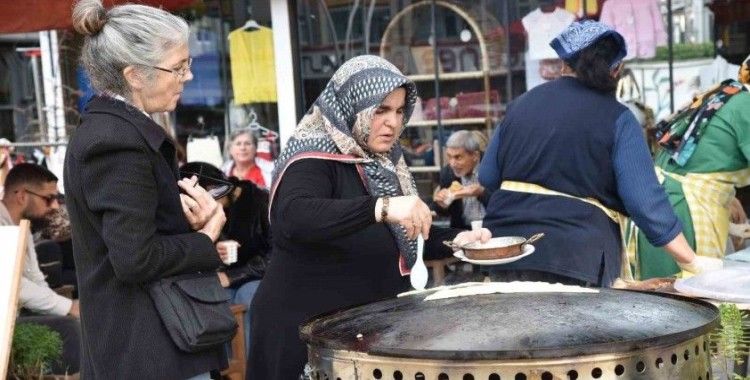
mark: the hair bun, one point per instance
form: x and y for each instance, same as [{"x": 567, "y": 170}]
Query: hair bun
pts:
[{"x": 89, "y": 17}]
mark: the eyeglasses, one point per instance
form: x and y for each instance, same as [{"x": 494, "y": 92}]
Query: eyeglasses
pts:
[
  {"x": 217, "y": 187},
  {"x": 48, "y": 199},
  {"x": 179, "y": 73}
]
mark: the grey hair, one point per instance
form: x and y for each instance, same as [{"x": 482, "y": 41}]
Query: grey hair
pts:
[
  {"x": 126, "y": 35},
  {"x": 464, "y": 140},
  {"x": 237, "y": 133}
]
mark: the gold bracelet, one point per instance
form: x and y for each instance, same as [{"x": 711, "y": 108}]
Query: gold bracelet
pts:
[{"x": 384, "y": 209}]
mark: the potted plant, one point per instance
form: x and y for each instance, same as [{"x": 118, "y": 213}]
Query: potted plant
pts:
[
  {"x": 730, "y": 343},
  {"x": 35, "y": 347}
]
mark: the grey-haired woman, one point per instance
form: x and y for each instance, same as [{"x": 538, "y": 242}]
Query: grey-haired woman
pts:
[
  {"x": 130, "y": 224},
  {"x": 244, "y": 164}
]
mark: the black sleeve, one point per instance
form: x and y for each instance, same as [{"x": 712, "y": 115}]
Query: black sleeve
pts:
[
  {"x": 304, "y": 209},
  {"x": 125, "y": 197},
  {"x": 259, "y": 250}
]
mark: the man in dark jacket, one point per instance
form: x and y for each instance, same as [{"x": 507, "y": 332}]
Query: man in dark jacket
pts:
[{"x": 460, "y": 195}]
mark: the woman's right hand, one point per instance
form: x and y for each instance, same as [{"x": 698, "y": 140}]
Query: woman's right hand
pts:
[
  {"x": 410, "y": 212},
  {"x": 201, "y": 210},
  {"x": 702, "y": 264}
]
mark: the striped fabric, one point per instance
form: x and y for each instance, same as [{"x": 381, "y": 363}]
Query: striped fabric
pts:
[{"x": 708, "y": 196}]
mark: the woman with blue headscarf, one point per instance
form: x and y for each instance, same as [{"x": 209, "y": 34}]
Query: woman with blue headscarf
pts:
[
  {"x": 570, "y": 161},
  {"x": 344, "y": 213}
]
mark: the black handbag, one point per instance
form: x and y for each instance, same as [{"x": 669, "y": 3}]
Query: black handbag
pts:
[{"x": 195, "y": 310}]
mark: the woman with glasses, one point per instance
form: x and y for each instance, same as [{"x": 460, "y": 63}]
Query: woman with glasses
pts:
[
  {"x": 131, "y": 225},
  {"x": 242, "y": 146}
]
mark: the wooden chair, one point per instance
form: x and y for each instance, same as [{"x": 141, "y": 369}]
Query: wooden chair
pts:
[
  {"x": 237, "y": 363},
  {"x": 438, "y": 269}
]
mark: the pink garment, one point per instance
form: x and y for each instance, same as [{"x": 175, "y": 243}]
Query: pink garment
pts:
[{"x": 640, "y": 23}]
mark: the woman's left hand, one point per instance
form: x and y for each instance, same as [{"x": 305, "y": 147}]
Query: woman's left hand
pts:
[{"x": 467, "y": 237}]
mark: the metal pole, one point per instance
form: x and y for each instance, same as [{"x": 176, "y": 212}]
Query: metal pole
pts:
[
  {"x": 509, "y": 74},
  {"x": 670, "y": 45},
  {"x": 223, "y": 71},
  {"x": 34, "y": 144},
  {"x": 33, "y": 54},
  {"x": 433, "y": 33}
]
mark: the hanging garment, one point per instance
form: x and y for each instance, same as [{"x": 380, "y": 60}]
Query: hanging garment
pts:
[
  {"x": 640, "y": 23},
  {"x": 576, "y": 7},
  {"x": 204, "y": 149},
  {"x": 252, "y": 60},
  {"x": 718, "y": 71},
  {"x": 542, "y": 28}
]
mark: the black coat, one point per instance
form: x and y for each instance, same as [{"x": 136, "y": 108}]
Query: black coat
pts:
[
  {"x": 128, "y": 230},
  {"x": 456, "y": 209}
]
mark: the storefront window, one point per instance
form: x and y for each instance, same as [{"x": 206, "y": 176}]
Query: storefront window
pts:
[
  {"x": 479, "y": 67},
  {"x": 234, "y": 84}
]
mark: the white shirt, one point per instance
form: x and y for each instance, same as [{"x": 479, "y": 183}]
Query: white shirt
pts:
[
  {"x": 34, "y": 292},
  {"x": 542, "y": 28}
]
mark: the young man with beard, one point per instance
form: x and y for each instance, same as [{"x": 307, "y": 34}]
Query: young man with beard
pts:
[{"x": 31, "y": 193}]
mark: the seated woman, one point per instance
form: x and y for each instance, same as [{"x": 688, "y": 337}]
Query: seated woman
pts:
[
  {"x": 245, "y": 164},
  {"x": 345, "y": 213},
  {"x": 246, "y": 209}
]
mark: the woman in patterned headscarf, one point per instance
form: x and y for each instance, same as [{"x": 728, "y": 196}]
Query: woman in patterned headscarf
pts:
[{"x": 344, "y": 212}]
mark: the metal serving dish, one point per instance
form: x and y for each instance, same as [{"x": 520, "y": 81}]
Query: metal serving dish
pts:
[{"x": 496, "y": 248}]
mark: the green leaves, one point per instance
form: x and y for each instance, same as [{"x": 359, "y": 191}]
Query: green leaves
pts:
[
  {"x": 731, "y": 341},
  {"x": 34, "y": 348}
]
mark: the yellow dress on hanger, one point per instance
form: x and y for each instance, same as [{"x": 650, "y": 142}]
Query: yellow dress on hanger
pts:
[
  {"x": 576, "y": 7},
  {"x": 253, "y": 67}
]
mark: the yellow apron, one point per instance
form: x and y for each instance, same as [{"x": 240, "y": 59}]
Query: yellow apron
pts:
[
  {"x": 708, "y": 196},
  {"x": 621, "y": 220}
]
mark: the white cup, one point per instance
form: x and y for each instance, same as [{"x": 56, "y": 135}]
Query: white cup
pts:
[
  {"x": 450, "y": 198},
  {"x": 476, "y": 225},
  {"x": 231, "y": 256}
]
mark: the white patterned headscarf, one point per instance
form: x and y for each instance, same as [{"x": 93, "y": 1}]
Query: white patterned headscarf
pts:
[
  {"x": 582, "y": 34},
  {"x": 338, "y": 124}
]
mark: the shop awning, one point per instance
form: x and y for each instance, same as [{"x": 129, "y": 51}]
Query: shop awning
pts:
[{"x": 19, "y": 16}]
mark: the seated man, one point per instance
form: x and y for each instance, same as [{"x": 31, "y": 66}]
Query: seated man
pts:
[
  {"x": 31, "y": 193},
  {"x": 460, "y": 195}
]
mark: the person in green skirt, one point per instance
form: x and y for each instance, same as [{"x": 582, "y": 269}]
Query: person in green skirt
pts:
[{"x": 704, "y": 156}]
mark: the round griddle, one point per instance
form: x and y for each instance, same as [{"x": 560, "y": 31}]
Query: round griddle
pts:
[{"x": 513, "y": 326}]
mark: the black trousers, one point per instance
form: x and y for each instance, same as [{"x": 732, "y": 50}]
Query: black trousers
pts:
[{"x": 69, "y": 329}]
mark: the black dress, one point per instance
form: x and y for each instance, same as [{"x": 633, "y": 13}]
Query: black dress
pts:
[{"x": 329, "y": 253}]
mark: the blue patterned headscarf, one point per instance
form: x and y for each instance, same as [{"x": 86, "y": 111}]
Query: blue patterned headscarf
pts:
[
  {"x": 338, "y": 124},
  {"x": 582, "y": 34}
]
